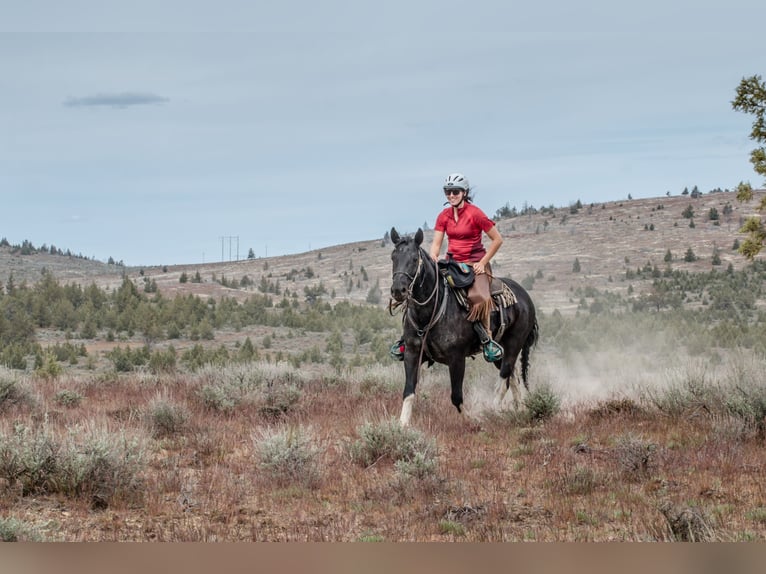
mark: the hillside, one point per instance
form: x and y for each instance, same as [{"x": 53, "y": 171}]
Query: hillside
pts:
[
  {"x": 607, "y": 239},
  {"x": 126, "y": 416}
]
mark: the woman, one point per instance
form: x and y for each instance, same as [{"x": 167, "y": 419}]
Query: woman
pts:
[{"x": 463, "y": 223}]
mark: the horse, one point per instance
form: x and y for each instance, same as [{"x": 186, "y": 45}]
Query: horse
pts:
[{"x": 436, "y": 329}]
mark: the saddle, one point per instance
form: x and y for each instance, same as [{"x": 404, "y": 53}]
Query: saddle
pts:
[
  {"x": 458, "y": 275},
  {"x": 501, "y": 294}
]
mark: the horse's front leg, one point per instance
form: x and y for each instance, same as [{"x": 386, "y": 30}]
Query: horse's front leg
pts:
[
  {"x": 411, "y": 370},
  {"x": 456, "y": 375}
]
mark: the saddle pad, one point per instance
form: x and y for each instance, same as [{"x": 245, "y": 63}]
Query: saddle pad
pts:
[{"x": 505, "y": 297}]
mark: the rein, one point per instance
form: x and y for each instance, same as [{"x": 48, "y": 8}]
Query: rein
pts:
[{"x": 438, "y": 310}]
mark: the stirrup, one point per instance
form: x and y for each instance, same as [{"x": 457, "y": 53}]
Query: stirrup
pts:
[
  {"x": 492, "y": 351},
  {"x": 397, "y": 350}
]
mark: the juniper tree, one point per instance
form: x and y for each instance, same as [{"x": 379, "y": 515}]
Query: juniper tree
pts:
[{"x": 751, "y": 99}]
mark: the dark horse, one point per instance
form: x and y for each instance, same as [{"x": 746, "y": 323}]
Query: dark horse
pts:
[{"x": 436, "y": 329}]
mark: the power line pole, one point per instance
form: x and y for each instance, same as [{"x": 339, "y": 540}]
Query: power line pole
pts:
[{"x": 229, "y": 237}]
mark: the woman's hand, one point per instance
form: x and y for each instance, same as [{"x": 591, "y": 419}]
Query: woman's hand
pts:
[{"x": 479, "y": 268}]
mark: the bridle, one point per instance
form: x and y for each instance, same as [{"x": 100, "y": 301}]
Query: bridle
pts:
[{"x": 438, "y": 310}]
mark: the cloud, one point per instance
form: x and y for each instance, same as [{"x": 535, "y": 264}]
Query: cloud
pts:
[{"x": 121, "y": 100}]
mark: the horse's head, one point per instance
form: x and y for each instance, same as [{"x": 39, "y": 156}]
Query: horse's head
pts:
[{"x": 406, "y": 258}]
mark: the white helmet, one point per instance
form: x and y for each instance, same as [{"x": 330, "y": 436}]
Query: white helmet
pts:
[{"x": 456, "y": 181}]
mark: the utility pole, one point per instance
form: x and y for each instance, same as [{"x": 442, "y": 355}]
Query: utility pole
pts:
[{"x": 229, "y": 237}]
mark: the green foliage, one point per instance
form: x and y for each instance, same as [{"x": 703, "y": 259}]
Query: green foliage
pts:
[
  {"x": 390, "y": 440},
  {"x": 686, "y": 391},
  {"x": 422, "y": 465},
  {"x": 49, "y": 368},
  {"x": 747, "y": 402},
  {"x": 127, "y": 359},
  {"x": 68, "y": 398},
  {"x": 88, "y": 464},
  {"x": 166, "y": 418},
  {"x": 198, "y": 356},
  {"x": 541, "y": 403},
  {"x": 289, "y": 455},
  {"x": 751, "y": 99},
  {"x": 163, "y": 361},
  {"x": 451, "y": 527},
  {"x": 13, "y": 530},
  {"x": 13, "y": 391},
  {"x": 272, "y": 389}
]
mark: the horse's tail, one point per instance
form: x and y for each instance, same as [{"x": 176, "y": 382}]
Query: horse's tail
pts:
[{"x": 531, "y": 341}]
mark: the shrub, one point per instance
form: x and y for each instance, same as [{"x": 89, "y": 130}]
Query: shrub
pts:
[
  {"x": 635, "y": 456},
  {"x": 278, "y": 399},
  {"x": 388, "y": 439},
  {"x": 748, "y": 403},
  {"x": 686, "y": 523},
  {"x": 165, "y": 418},
  {"x": 273, "y": 389},
  {"x": 163, "y": 361},
  {"x": 50, "y": 368},
  {"x": 89, "y": 464},
  {"x": 13, "y": 391},
  {"x": 67, "y": 398},
  {"x": 578, "y": 480},
  {"x": 288, "y": 455},
  {"x": 688, "y": 390},
  {"x": 541, "y": 403},
  {"x": 13, "y": 530},
  {"x": 423, "y": 467},
  {"x": 101, "y": 467},
  {"x": 219, "y": 398},
  {"x": 451, "y": 527}
]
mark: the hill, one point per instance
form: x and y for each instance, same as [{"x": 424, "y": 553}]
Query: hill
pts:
[{"x": 608, "y": 240}]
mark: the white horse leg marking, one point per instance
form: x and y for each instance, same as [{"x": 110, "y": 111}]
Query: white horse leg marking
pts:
[{"x": 404, "y": 419}]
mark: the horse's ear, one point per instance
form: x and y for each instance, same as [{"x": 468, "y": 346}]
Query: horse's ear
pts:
[
  {"x": 419, "y": 236},
  {"x": 395, "y": 235}
]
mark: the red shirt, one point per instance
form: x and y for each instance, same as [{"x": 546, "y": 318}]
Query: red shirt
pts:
[{"x": 464, "y": 234}]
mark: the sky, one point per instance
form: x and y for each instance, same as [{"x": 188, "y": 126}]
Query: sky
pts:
[{"x": 173, "y": 132}]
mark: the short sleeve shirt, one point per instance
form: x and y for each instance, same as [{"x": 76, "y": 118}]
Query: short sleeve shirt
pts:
[{"x": 464, "y": 235}]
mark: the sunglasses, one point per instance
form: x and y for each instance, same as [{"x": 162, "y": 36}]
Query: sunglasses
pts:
[{"x": 449, "y": 192}]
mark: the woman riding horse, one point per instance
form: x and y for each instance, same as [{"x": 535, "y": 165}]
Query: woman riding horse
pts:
[{"x": 463, "y": 223}]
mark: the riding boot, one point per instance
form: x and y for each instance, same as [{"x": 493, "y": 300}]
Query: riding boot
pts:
[
  {"x": 491, "y": 350},
  {"x": 397, "y": 350}
]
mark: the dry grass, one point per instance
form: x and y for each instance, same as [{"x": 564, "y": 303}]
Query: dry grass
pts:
[{"x": 600, "y": 470}]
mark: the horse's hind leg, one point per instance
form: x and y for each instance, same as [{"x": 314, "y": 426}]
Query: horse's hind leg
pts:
[
  {"x": 512, "y": 383},
  {"x": 502, "y": 390},
  {"x": 513, "y": 380}
]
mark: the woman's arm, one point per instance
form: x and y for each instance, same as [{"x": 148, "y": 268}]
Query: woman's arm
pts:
[
  {"x": 497, "y": 241},
  {"x": 436, "y": 245}
]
